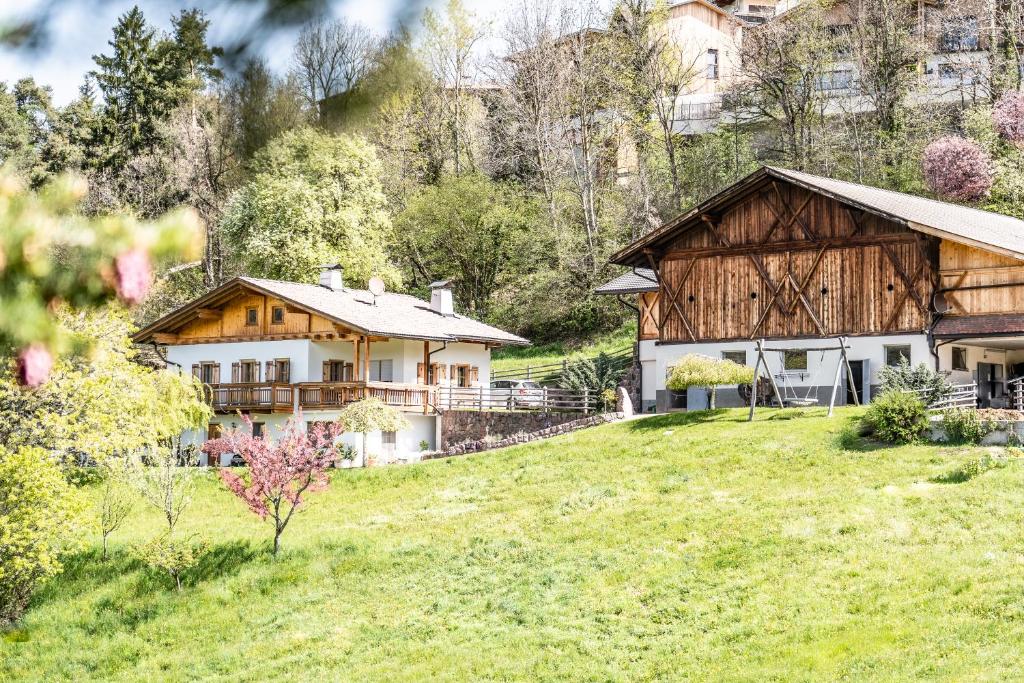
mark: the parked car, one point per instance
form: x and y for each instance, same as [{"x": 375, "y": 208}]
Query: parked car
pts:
[{"x": 517, "y": 393}]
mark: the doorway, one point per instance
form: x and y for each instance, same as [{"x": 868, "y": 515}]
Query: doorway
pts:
[
  {"x": 990, "y": 386},
  {"x": 857, "y": 366}
]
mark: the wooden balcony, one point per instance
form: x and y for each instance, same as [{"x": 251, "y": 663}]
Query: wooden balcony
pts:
[
  {"x": 334, "y": 395},
  {"x": 263, "y": 397}
]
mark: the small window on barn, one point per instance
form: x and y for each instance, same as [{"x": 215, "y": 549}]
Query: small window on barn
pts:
[
  {"x": 738, "y": 357},
  {"x": 959, "y": 358},
  {"x": 277, "y": 315},
  {"x": 897, "y": 355},
  {"x": 252, "y": 316},
  {"x": 795, "y": 360}
]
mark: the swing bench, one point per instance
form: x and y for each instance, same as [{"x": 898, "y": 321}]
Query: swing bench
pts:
[{"x": 790, "y": 397}]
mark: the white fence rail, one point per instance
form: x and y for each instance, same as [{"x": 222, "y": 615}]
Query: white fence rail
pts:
[
  {"x": 959, "y": 396},
  {"x": 543, "y": 399}
]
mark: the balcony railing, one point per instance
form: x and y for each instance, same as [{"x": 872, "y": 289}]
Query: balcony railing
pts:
[
  {"x": 332, "y": 395},
  {"x": 264, "y": 397}
]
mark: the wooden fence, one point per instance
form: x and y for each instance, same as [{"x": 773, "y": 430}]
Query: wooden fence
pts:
[
  {"x": 552, "y": 373},
  {"x": 268, "y": 397},
  {"x": 545, "y": 399},
  {"x": 959, "y": 396},
  {"x": 1015, "y": 389}
]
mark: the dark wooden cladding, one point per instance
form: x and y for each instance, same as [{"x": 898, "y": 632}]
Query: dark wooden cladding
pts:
[{"x": 785, "y": 262}]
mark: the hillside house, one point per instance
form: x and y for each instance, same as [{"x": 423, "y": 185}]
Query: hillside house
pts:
[
  {"x": 784, "y": 255},
  {"x": 269, "y": 349}
]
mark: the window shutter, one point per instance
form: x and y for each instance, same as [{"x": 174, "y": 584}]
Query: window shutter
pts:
[
  {"x": 455, "y": 373},
  {"x": 236, "y": 371},
  {"x": 216, "y": 373},
  {"x": 195, "y": 370},
  {"x": 271, "y": 371},
  {"x": 348, "y": 372},
  {"x": 474, "y": 374},
  {"x": 327, "y": 371},
  {"x": 286, "y": 371},
  {"x": 420, "y": 374}
]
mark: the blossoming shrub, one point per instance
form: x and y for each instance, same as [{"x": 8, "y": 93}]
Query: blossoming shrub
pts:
[
  {"x": 1008, "y": 116},
  {"x": 40, "y": 518},
  {"x": 695, "y": 370},
  {"x": 957, "y": 168}
]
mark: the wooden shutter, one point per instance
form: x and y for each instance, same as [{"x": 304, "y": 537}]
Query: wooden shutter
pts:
[
  {"x": 271, "y": 372},
  {"x": 455, "y": 374},
  {"x": 474, "y": 374},
  {"x": 196, "y": 370},
  {"x": 286, "y": 372},
  {"x": 348, "y": 372},
  {"x": 421, "y": 374},
  {"x": 327, "y": 371},
  {"x": 236, "y": 372},
  {"x": 216, "y": 373}
]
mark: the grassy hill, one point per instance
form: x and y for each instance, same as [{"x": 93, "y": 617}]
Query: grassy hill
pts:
[
  {"x": 690, "y": 546},
  {"x": 510, "y": 357}
]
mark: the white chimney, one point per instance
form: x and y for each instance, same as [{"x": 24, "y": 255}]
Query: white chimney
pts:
[
  {"x": 441, "y": 297},
  {"x": 332, "y": 276}
]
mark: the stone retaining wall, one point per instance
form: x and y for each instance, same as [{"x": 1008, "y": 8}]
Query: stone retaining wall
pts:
[{"x": 489, "y": 441}]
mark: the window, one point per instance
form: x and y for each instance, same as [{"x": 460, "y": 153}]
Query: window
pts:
[
  {"x": 279, "y": 370},
  {"x": 738, "y": 357},
  {"x": 246, "y": 371},
  {"x": 337, "y": 371},
  {"x": 959, "y": 34},
  {"x": 896, "y": 355},
  {"x": 840, "y": 35},
  {"x": 388, "y": 440},
  {"x": 795, "y": 360},
  {"x": 838, "y": 79},
  {"x": 252, "y": 316},
  {"x": 712, "y": 70},
  {"x": 277, "y": 315},
  {"x": 214, "y": 431},
  {"x": 257, "y": 429},
  {"x": 381, "y": 371},
  {"x": 959, "y": 358},
  {"x": 208, "y": 372}
]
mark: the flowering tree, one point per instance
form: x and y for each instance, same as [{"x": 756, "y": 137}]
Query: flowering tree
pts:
[
  {"x": 694, "y": 370},
  {"x": 957, "y": 168},
  {"x": 371, "y": 415},
  {"x": 280, "y": 472},
  {"x": 1008, "y": 116},
  {"x": 50, "y": 254}
]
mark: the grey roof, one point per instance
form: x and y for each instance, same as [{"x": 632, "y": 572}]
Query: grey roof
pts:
[
  {"x": 631, "y": 282},
  {"x": 958, "y": 223},
  {"x": 393, "y": 315}
]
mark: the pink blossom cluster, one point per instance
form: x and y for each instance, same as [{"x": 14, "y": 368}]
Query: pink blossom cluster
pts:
[
  {"x": 133, "y": 274},
  {"x": 1008, "y": 116},
  {"x": 957, "y": 168},
  {"x": 34, "y": 365},
  {"x": 280, "y": 471}
]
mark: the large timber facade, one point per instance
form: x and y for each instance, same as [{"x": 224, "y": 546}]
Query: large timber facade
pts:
[{"x": 783, "y": 255}]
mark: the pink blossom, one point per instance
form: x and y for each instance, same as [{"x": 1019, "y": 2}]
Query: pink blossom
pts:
[
  {"x": 134, "y": 273},
  {"x": 958, "y": 169},
  {"x": 34, "y": 365},
  {"x": 1008, "y": 116},
  {"x": 280, "y": 472}
]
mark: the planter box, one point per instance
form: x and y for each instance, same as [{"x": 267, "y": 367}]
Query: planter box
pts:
[{"x": 998, "y": 437}]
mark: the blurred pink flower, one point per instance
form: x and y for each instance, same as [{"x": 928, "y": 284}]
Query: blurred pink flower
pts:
[
  {"x": 1008, "y": 116},
  {"x": 34, "y": 365},
  {"x": 134, "y": 273},
  {"x": 957, "y": 168}
]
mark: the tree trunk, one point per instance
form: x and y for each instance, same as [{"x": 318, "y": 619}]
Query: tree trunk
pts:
[
  {"x": 711, "y": 397},
  {"x": 277, "y": 539},
  {"x": 104, "y": 556}
]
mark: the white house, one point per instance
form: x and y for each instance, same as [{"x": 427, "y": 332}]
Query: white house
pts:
[{"x": 271, "y": 349}]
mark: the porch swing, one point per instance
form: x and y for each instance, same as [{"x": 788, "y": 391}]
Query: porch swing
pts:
[{"x": 790, "y": 397}]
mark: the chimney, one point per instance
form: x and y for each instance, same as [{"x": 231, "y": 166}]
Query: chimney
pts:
[
  {"x": 332, "y": 276},
  {"x": 441, "y": 297}
]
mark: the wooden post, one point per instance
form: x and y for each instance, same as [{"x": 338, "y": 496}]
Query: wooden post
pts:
[
  {"x": 586, "y": 401},
  {"x": 753, "y": 390},
  {"x": 366, "y": 361},
  {"x": 356, "y": 342},
  {"x": 481, "y": 406},
  {"x": 768, "y": 369},
  {"x": 426, "y": 376},
  {"x": 835, "y": 380},
  {"x": 849, "y": 371}
]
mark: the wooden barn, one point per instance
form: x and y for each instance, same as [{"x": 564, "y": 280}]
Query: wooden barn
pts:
[{"x": 799, "y": 260}]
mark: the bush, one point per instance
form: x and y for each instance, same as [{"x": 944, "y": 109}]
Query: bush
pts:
[
  {"x": 920, "y": 378},
  {"x": 958, "y": 169},
  {"x": 174, "y": 556},
  {"x": 965, "y": 426},
  {"x": 594, "y": 375},
  {"x": 897, "y": 417},
  {"x": 40, "y": 518}
]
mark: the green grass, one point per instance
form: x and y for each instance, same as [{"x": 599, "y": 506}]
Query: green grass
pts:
[
  {"x": 683, "y": 547},
  {"x": 510, "y": 357}
]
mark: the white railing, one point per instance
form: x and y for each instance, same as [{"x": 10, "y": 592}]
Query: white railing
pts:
[
  {"x": 958, "y": 396},
  {"x": 1015, "y": 390}
]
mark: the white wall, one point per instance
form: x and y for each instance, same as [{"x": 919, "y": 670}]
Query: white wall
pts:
[
  {"x": 297, "y": 350},
  {"x": 977, "y": 354}
]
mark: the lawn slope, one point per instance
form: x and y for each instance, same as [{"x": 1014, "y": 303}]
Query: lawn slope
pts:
[{"x": 684, "y": 547}]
